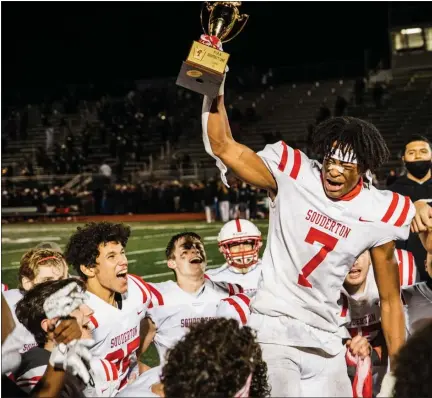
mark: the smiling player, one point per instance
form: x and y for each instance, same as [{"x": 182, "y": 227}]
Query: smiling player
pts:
[
  {"x": 119, "y": 300},
  {"x": 191, "y": 298}
]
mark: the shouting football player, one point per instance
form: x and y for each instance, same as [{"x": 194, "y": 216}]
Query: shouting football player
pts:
[{"x": 323, "y": 215}]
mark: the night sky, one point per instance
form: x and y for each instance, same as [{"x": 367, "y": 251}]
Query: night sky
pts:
[{"x": 77, "y": 42}]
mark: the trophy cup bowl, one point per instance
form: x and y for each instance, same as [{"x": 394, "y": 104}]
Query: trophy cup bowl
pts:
[{"x": 204, "y": 68}]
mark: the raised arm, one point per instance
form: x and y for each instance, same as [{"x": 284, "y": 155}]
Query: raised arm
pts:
[
  {"x": 244, "y": 162},
  {"x": 386, "y": 272}
]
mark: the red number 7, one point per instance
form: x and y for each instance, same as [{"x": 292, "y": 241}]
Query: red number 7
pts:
[{"x": 329, "y": 242}]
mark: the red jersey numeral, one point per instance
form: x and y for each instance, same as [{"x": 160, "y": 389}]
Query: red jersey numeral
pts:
[
  {"x": 329, "y": 243},
  {"x": 122, "y": 361}
]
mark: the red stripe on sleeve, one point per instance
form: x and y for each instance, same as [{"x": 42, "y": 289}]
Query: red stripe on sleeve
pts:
[
  {"x": 238, "y": 225},
  {"x": 297, "y": 163},
  {"x": 411, "y": 268},
  {"x": 391, "y": 208},
  {"x": 106, "y": 371},
  {"x": 240, "y": 288},
  {"x": 94, "y": 321},
  {"x": 140, "y": 288},
  {"x": 244, "y": 298},
  {"x": 156, "y": 293},
  {"x": 230, "y": 289},
  {"x": 284, "y": 158},
  {"x": 238, "y": 308},
  {"x": 400, "y": 221},
  {"x": 207, "y": 277}
]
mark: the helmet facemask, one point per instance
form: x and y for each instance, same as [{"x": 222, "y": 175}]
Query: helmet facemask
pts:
[{"x": 241, "y": 261}]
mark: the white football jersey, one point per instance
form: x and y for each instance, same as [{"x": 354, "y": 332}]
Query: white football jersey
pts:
[
  {"x": 362, "y": 311},
  {"x": 418, "y": 305},
  {"x": 174, "y": 310},
  {"x": 249, "y": 281},
  {"x": 141, "y": 387},
  {"x": 117, "y": 331},
  {"x": 313, "y": 240},
  {"x": 20, "y": 332}
]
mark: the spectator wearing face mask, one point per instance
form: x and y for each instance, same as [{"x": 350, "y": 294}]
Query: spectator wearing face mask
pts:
[{"x": 417, "y": 185}]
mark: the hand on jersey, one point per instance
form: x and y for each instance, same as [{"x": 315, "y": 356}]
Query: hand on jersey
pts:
[
  {"x": 73, "y": 357},
  {"x": 64, "y": 301},
  {"x": 422, "y": 221},
  {"x": 359, "y": 345}
]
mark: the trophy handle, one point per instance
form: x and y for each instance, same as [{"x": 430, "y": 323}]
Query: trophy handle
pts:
[
  {"x": 242, "y": 19},
  {"x": 208, "y": 7}
]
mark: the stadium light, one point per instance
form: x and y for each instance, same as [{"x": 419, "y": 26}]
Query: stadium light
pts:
[{"x": 411, "y": 31}]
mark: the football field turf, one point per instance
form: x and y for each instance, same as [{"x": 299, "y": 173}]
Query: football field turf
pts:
[{"x": 145, "y": 249}]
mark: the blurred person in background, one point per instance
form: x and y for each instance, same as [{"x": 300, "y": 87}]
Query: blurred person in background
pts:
[{"x": 417, "y": 185}]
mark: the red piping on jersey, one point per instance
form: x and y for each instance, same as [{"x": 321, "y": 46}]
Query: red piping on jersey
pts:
[
  {"x": 239, "y": 288},
  {"x": 392, "y": 207},
  {"x": 238, "y": 225},
  {"x": 404, "y": 213},
  {"x": 238, "y": 309},
  {"x": 106, "y": 371},
  {"x": 284, "y": 158},
  {"x": 5, "y": 287},
  {"x": 410, "y": 267},
  {"x": 207, "y": 277},
  {"x": 297, "y": 163},
  {"x": 139, "y": 287},
  {"x": 344, "y": 306},
  {"x": 94, "y": 321},
  {"x": 158, "y": 296},
  {"x": 230, "y": 289},
  {"x": 243, "y": 297}
]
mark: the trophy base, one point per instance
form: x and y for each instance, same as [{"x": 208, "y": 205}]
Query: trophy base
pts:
[{"x": 199, "y": 79}]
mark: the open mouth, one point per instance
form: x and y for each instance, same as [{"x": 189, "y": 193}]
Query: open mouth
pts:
[
  {"x": 196, "y": 260},
  {"x": 354, "y": 273},
  {"x": 122, "y": 274},
  {"x": 332, "y": 186}
]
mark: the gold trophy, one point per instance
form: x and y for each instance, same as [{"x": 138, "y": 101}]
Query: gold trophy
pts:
[{"x": 204, "y": 68}]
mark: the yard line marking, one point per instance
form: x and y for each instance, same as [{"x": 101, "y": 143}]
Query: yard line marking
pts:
[
  {"x": 170, "y": 273},
  {"x": 20, "y": 241},
  {"x": 21, "y": 250}
]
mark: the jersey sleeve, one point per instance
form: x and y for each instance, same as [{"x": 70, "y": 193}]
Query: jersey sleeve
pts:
[
  {"x": 282, "y": 161},
  {"x": 397, "y": 215},
  {"x": 145, "y": 291},
  {"x": 407, "y": 267},
  {"x": 230, "y": 288},
  {"x": 235, "y": 307}
]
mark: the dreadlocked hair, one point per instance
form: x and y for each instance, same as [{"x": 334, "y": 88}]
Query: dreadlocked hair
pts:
[{"x": 351, "y": 134}]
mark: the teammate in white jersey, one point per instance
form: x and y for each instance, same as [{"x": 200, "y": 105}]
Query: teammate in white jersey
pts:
[
  {"x": 240, "y": 243},
  {"x": 191, "y": 298},
  {"x": 322, "y": 217},
  {"x": 119, "y": 300},
  {"x": 36, "y": 266}
]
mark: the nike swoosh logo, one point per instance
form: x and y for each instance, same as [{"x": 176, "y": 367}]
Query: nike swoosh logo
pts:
[
  {"x": 104, "y": 390},
  {"x": 361, "y": 219},
  {"x": 139, "y": 312}
]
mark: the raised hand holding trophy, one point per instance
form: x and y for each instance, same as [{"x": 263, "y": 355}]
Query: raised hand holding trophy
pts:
[{"x": 203, "y": 71}]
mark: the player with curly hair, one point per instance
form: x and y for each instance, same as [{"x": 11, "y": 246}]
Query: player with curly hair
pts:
[
  {"x": 120, "y": 300},
  {"x": 324, "y": 214},
  {"x": 413, "y": 371},
  {"x": 216, "y": 358}
]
